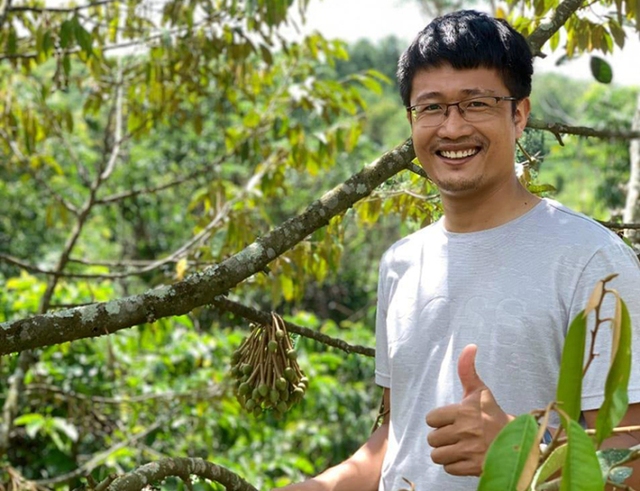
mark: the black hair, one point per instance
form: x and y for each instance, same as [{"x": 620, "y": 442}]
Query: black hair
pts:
[{"x": 469, "y": 39}]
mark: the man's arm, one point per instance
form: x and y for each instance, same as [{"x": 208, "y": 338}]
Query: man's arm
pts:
[
  {"x": 622, "y": 440},
  {"x": 361, "y": 471}
]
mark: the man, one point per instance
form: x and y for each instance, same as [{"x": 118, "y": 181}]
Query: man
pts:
[{"x": 473, "y": 309}]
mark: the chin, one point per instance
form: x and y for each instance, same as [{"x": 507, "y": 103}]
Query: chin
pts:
[{"x": 457, "y": 186}]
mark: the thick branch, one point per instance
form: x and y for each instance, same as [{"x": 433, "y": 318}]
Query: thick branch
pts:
[
  {"x": 200, "y": 288},
  {"x": 544, "y": 31},
  {"x": 261, "y": 317},
  {"x": 180, "y": 467}
]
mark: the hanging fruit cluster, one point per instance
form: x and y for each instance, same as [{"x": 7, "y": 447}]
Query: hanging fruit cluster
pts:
[{"x": 266, "y": 370}]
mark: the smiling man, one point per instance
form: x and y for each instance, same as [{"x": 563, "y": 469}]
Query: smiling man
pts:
[{"x": 473, "y": 310}]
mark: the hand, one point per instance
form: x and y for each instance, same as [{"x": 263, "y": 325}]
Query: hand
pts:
[{"x": 464, "y": 431}]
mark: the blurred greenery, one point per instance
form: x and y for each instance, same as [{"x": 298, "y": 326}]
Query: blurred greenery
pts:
[{"x": 225, "y": 133}]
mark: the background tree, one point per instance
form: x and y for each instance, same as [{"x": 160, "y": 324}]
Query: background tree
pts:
[{"x": 152, "y": 159}]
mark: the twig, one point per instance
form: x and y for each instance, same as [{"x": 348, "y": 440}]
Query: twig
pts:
[
  {"x": 264, "y": 318},
  {"x": 599, "y": 321},
  {"x": 62, "y": 10},
  {"x": 206, "y": 393},
  {"x": 559, "y": 129},
  {"x": 620, "y": 226}
]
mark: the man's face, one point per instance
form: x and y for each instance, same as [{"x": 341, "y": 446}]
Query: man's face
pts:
[{"x": 463, "y": 158}]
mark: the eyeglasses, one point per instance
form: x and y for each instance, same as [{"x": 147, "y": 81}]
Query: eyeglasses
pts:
[{"x": 473, "y": 110}]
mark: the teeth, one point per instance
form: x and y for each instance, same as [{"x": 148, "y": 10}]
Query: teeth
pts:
[{"x": 460, "y": 154}]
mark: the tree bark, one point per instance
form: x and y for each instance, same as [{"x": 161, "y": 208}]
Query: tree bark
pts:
[
  {"x": 632, "y": 206},
  {"x": 200, "y": 288},
  {"x": 147, "y": 474}
]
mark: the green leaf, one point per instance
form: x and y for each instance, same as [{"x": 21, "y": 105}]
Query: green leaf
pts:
[
  {"x": 32, "y": 423},
  {"x": 581, "y": 471},
  {"x": 550, "y": 466},
  {"x": 569, "y": 390},
  {"x": 83, "y": 37},
  {"x": 66, "y": 34},
  {"x": 12, "y": 41},
  {"x": 601, "y": 70},
  {"x": 618, "y": 33},
  {"x": 541, "y": 188},
  {"x": 508, "y": 453},
  {"x": 67, "y": 428},
  {"x": 616, "y": 398}
]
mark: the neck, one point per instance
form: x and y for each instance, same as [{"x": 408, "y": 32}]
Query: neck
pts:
[{"x": 473, "y": 213}]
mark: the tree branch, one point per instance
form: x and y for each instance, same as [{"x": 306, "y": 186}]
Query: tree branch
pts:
[
  {"x": 181, "y": 467},
  {"x": 110, "y": 47},
  {"x": 544, "y": 31},
  {"x": 264, "y": 318},
  {"x": 58, "y": 10},
  {"x": 620, "y": 226},
  {"x": 200, "y": 288},
  {"x": 559, "y": 128},
  {"x": 207, "y": 393}
]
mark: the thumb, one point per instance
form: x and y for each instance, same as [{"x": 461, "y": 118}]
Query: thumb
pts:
[{"x": 469, "y": 378}]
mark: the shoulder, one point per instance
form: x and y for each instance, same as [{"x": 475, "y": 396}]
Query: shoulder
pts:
[
  {"x": 561, "y": 226},
  {"x": 557, "y": 215},
  {"x": 410, "y": 248},
  {"x": 417, "y": 241}
]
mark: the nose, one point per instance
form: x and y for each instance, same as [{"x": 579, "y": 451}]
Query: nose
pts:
[{"x": 454, "y": 126}]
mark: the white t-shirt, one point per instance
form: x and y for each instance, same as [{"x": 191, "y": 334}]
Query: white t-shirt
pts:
[{"x": 512, "y": 290}]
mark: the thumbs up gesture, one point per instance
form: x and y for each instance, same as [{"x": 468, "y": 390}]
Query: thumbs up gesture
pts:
[{"x": 464, "y": 431}]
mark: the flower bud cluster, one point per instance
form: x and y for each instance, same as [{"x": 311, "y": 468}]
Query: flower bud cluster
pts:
[{"x": 266, "y": 370}]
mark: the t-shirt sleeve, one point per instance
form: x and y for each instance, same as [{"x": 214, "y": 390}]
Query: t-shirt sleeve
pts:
[
  {"x": 614, "y": 258},
  {"x": 383, "y": 374}
]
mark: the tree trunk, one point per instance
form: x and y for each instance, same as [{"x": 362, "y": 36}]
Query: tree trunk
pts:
[{"x": 632, "y": 206}]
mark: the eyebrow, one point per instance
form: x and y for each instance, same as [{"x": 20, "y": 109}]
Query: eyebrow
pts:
[{"x": 427, "y": 96}]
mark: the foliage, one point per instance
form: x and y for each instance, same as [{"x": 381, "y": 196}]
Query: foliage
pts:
[
  {"x": 514, "y": 460},
  {"x": 587, "y": 173},
  {"x": 140, "y": 146}
]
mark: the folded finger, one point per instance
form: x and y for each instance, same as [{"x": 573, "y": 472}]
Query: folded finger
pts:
[
  {"x": 442, "y": 416},
  {"x": 443, "y": 436}
]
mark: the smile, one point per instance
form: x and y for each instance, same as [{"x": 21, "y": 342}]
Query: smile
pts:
[{"x": 458, "y": 154}]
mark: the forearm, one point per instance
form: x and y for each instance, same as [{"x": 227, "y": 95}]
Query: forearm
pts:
[{"x": 361, "y": 471}]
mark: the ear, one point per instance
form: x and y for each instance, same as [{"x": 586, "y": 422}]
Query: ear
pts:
[
  {"x": 521, "y": 116},
  {"x": 409, "y": 118}
]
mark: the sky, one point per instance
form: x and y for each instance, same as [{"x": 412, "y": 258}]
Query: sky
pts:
[{"x": 351, "y": 20}]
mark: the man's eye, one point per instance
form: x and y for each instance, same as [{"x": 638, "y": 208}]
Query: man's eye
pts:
[
  {"x": 478, "y": 104},
  {"x": 430, "y": 108}
]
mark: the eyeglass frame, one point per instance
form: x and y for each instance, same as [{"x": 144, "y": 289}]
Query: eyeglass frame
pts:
[{"x": 445, "y": 114}]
